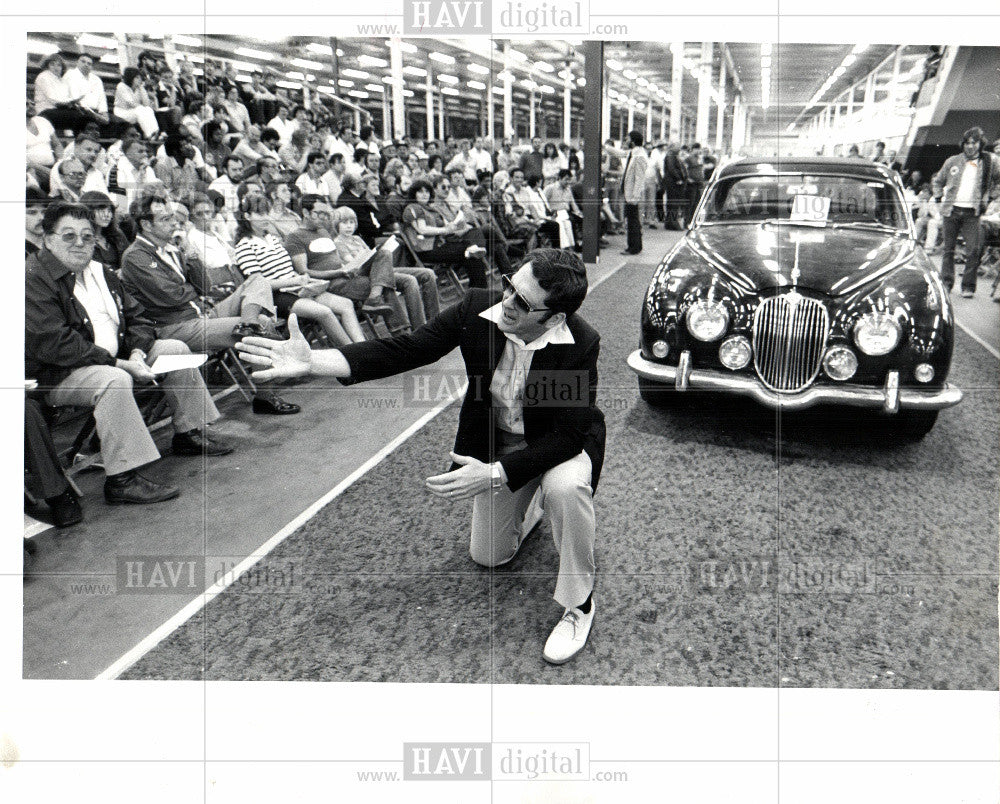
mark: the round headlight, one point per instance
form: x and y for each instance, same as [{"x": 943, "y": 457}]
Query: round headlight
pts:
[
  {"x": 660, "y": 349},
  {"x": 924, "y": 372},
  {"x": 877, "y": 333},
  {"x": 735, "y": 353},
  {"x": 840, "y": 363},
  {"x": 707, "y": 320}
]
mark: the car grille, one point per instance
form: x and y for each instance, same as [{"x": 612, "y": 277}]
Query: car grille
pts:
[{"x": 789, "y": 333}]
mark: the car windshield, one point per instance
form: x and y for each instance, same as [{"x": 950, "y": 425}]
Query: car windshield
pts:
[{"x": 813, "y": 200}]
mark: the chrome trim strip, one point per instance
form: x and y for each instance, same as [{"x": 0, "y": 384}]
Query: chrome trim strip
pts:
[{"x": 856, "y": 396}]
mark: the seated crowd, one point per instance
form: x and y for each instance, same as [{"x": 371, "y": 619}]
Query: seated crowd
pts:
[{"x": 199, "y": 210}]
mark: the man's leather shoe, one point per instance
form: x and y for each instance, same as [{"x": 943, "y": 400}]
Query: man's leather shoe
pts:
[
  {"x": 630, "y": 253},
  {"x": 132, "y": 488},
  {"x": 569, "y": 636},
  {"x": 195, "y": 442},
  {"x": 247, "y": 328},
  {"x": 65, "y": 509},
  {"x": 270, "y": 403}
]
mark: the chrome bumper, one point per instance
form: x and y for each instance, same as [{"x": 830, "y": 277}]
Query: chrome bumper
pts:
[{"x": 890, "y": 398}]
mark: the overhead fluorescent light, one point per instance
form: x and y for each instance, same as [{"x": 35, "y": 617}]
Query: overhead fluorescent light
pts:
[
  {"x": 307, "y": 64},
  {"x": 581, "y": 81},
  {"x": 448, "y": 79},
  {"x": 409, "y": 69},
  {"x": 527, "y": 82},
  {"x": 544, "y": 66},
  {"x": 475, "y": 84},
  {"x": 516, "y": 55},
  {"x": 40, "y": 48},
  {"x": 357, "y": 74},
  {"x": 110, "y": 58},
  {"x": 356, "y": 93},
  {"x": 443, "y": 58},
  {"x": 345, "y": 83},
  {"x": 548, "y": 90},
  {"x": 296, "y": 76},
  {"x": 262, "y": 55},
  {"x": 496, "y": 90},
  {"x": 449, "y": 91},
  {"x": 371, "y": 61},
  {"x": 630, "y": 75},
  {"x": 565, "y": 74},
  {"x": 244, "y": 79},
  {"x": 375, "y": 87},
  {"x": 322, "y": 50},
  {"x": 653, "y": 88},
  {"x": 478, "y": 69},
  {"x": 407, "y": 93},
  {"x": 90, "y": 40},
  {"x": 187, "y": 41},
  {"x": 614, "y": 64},
  {"x": 406, "y": 47},
  {"x": 287, "y": 84},
  {"x": 642, "y": 81}
]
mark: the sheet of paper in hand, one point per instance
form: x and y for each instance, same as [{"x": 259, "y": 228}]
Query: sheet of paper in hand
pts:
[
  {"x": 167, "y": 363},
  {"x": 358, "y": 260}
]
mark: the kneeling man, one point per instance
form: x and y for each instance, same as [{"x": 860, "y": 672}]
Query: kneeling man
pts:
[{"x": 530, "y": 436}]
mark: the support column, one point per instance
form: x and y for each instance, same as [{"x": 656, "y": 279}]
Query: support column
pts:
[
  {"x": 736, "y": 141},
  {"x": 704, "y": 96},
  {"x": 605, "y": 106},
  {"x": 508, "y": 127},
  {"x": 490, "y": 112},
  {"x": 398, "y": 101},
  {"x": 663, "y": 121},
  {"x": 531, "y": 114},
  {"x": 441, "y": 128},
  {"x": 567, "y": 106},
  {"x": 386, "y": 114},
  {"x": 649, "y": 118},
  {"x": 169, "y": 53},
  {"x": 720, "y": 118},
  {"x": 429, "y": 104},
  {"x": 676, "y": 90},
  {"x": 631, "y": 116},
  {"x": 593, "y": 143}
]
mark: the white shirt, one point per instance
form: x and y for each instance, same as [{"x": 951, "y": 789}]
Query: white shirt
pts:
[
  {"x": 91, "y": 290},
  {"x": 225, "y": 185},
  {"x": 283, "y": 127},
  {"x": 133, "y": 181},
  {"x": 333, "y": 182},
  {"x": 310, "y": 186},
  {"x": 212, "y": 252},
  {"x": 484, "y": 161},
  {"x": 511, "y": 374},
  {"x": 967, "y": 191},
  {"x": 94, "y": 181},
  {"x": 90, "y": 87}
]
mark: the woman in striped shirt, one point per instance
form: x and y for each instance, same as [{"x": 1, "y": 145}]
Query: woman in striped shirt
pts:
[{"x": 259, "y": 251}]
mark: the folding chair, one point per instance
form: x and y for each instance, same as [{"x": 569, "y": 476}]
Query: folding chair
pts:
[{"x": 445, "y": 271}]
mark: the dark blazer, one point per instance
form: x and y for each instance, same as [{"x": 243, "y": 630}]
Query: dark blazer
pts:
[
  {"x": 364, "y": 209},
  {"x": 58, "y": 335},
  {"x": 554, "y": 432},
  {"x": 164, "y": 295}
]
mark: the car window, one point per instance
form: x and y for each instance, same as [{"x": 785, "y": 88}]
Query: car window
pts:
[{"x": 851, "y": 200}]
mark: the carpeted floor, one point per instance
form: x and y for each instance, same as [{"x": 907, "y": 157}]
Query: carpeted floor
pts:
[{"x": 727, "y": 555}]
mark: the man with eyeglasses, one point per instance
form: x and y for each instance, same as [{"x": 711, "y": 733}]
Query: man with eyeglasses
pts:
[
  {"x": 530, "y": 436},
  {"x": 86, "y": 150},
  {"x": 964, "y": 185},
  {"x": 87, "y": 342}
]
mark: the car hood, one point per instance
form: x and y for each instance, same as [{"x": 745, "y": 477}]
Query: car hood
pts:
[{"x": 825, "y": 260}]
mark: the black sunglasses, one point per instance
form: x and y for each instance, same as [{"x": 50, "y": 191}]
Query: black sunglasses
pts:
[{"x": 519, "y": 300}]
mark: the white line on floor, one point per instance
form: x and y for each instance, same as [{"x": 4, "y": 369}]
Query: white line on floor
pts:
[
  {"x": 193, "y": 607},
  {"x": 992, "y": 350}
]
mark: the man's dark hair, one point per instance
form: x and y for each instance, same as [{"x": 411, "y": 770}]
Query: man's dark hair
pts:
[
  {"x": 420, "y": 184},
  {"x": 299, "y": 108},
  {"x": 210, "y": 129},
  {"x": 86, "y": 136},
  {"x": 561, "y": 275},
  {"x": 128, "y": 142},
  {"x": 565, "y": 173},
  {"x": 880, "y": 144},
  {"x": 33, "y": 197},
  {"x": 231, "y": 158},
  {"x": 309, "y": 201},
  {"x": 63, "y": 209},
  {"x": 336, "y": 156},
  {"x": 533, "y": 181},
  {"x": 314, "y": 156},
  {"x": 516, "y": 170},
  {"x": 365, "y": 133},
  {"x": 270, "y": 135},
  {"x": 635, "y": 137},
  {"x": 129, "y": 75},
  {"x": 975, "y": 133},
  {"x": 142, "y": 208}
]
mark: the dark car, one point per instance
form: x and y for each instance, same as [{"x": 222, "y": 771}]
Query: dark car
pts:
[{"x": 799, "y": 283}]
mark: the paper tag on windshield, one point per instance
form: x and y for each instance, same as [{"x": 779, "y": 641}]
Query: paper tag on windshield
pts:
[{"x": 810, "y": 208}]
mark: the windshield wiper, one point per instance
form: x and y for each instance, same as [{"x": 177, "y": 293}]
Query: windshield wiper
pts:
[{"x": 790, "y": 222}]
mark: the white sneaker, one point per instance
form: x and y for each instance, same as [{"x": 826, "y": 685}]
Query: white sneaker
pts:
[{"x": 569, "y": 636}]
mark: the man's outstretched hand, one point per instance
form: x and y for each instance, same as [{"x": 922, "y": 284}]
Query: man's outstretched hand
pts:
[
  {"x": 471, "y": 478},
  {"x": 277, "y": 359}
]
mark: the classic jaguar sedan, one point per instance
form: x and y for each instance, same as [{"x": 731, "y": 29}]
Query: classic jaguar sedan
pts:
[{"x": 800, "y": 282}]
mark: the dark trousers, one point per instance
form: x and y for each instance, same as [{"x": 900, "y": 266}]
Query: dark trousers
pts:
[
  {"x": 966, "y": 221},
  {"x": 454, "y": 253},
  {"x": 694, "y": 196},
  {"x": 634, "y": 228},
  {"x": 43, "y": 475}
]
